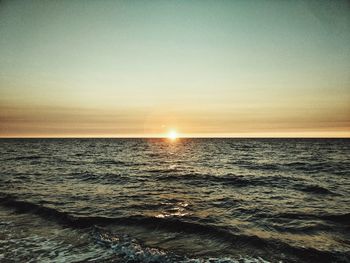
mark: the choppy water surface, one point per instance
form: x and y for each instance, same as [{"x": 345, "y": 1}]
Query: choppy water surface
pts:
[{"x": 191, "y": 200}]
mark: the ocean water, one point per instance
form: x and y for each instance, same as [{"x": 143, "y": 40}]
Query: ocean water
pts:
[{"x": 189, "y": 200}]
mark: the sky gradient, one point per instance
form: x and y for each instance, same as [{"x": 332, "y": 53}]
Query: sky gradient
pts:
[{"x": 204, "y": 68}]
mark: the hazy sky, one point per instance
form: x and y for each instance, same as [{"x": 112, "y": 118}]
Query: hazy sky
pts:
[{"x": 204, "y": 68}]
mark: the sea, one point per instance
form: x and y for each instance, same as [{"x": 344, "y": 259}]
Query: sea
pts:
[{"x": 190, "y": 200}]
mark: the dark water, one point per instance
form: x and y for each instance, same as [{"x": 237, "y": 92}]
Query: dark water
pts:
[{"x": 192, "y": 200}]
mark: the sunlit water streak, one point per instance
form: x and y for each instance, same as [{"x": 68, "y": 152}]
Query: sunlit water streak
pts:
[{"x": 188, "y": 200}]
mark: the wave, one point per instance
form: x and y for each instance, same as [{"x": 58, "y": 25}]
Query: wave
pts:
[
  {"x": 112, "y": 162},
  {"x": 83, "y": 222},
  {"x": 118, "y": 163},
  {"x": 246, "y": 181},
  {"x": 162, "y": 171},
  {"x": 228, "y": 179},
  {"x": 339, "y": 168},
  {"x": 132, "y": 250},
  {"x": 231, "y": 235},
  {"x": 340, "y": 218},
  {"x": 105, "y": 178},
  {"x": 315, "y": 189},
  {"x": 337, "y": 218},
  {"x": 24, "y": 158},
  {"x": 310, "y": 167}
]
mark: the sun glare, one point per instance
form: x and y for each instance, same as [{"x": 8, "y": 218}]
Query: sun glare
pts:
[{"x": 172, "y": 135}]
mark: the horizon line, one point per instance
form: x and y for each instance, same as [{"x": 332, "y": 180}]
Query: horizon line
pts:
[{"x": 180, "y": 137}]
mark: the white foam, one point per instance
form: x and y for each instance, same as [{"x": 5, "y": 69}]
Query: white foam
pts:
[{"x": 130, "y": 250}]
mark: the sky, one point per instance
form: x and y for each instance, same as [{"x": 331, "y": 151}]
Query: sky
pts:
[{"x": 203, "y": 68}]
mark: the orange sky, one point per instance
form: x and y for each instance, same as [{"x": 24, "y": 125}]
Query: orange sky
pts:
[{"x": 134, "y": 69}]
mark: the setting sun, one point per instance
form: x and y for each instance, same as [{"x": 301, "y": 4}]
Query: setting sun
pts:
[{"x": 172, "y": 135}]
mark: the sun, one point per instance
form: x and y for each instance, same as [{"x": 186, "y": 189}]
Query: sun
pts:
[{"x": 172, "y": 135}]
